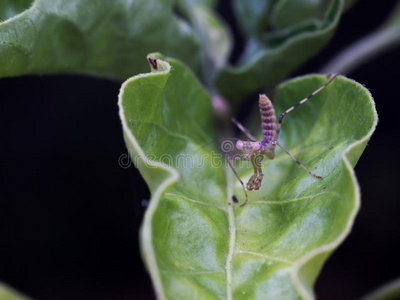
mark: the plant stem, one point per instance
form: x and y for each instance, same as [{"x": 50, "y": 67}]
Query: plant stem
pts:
[
  {"x": 363, "y": 50},
  {"x": 390, "y": 291}
]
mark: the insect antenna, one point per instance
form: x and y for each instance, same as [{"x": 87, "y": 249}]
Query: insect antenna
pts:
[{"x": 244, "y": 130}]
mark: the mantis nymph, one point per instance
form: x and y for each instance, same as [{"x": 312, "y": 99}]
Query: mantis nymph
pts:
[{"x": 255, "y": 150}]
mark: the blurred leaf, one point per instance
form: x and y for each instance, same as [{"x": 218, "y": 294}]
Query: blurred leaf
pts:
[
  {"x": 100, "y": 37},
  {"x": 187, "y": 4},
  {"x": 271, "y": 57},
  {"x": 288, "y": 13},
  {"x": 349, "y": 4},
  {"x": 394, "y": 18},
  {"x": 253, "y": 15},
  {"x": 7, "y": 293},
  {"x": 10, "y": 8},
  {"x": 212, "y": 33},
  {"x": 195, "y": 241}
]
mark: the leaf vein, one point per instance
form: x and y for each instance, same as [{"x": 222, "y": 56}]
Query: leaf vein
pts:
[
  {"x": 291, "y": 200},
  {"x": 195, "y": 201},
  {"x": 277, "y": 259}
]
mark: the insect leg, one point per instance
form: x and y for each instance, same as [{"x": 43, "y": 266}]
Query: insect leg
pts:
[
  {"x": 330, "y": 77},
  {"x": 258, "y": 159},
  {"x": 251, "y": 183},
  {"x": 236, "y": 174},
  {"x": 256, "y": 179},
  {"x": 244, "y": 130},
  {"x": 296, "y": 161}
]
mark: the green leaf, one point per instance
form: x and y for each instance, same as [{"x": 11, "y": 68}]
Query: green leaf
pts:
[
  {"x": 212, "y": 33},
  {"x": 8, "y": 293},
  {"x": 253, "y": 15},
  {"x": 10, "y": 8},
  {"x": 270, "y": 57},
  {"x": 288, "y": 13},
  {"x": 195, "y": 241},
  {"x": 100, "y": 37}
]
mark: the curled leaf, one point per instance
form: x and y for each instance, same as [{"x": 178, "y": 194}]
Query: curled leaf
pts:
[
  {"x": 270, "y": 56},
  {"x": 104, "y": 38},
  {"x": 195, "y": 241},
  {"x": 289, "y": 13}
]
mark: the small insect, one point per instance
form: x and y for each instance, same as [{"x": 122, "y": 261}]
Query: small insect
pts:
[{"x": 255, "y": 150}]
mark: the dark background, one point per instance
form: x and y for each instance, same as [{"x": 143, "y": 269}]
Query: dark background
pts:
[{"x": 69, "y": 215}]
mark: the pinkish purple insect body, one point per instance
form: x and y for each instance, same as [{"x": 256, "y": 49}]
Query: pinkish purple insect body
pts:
[{"x": 255, "y": 150}]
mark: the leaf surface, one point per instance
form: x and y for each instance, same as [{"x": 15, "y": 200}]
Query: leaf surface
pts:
[
  {"x": 98, "y": 37},
  {"x": 196, "y": 242},
  {"x": 272, "y": 54}
]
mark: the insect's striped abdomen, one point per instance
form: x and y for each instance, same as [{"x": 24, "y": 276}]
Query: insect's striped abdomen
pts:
[{"x": 267, "y": 118}]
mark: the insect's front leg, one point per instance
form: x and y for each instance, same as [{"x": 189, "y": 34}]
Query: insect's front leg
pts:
[
  {"x": 251, "y": 183},
  {"x": 255, "y": 180},
  {"x": 259, "y": 180}
]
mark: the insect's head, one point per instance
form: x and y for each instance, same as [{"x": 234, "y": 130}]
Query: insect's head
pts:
[{"x": 248, "y": 147}]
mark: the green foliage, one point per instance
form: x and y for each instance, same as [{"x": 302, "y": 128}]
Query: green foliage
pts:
[
  {"x": 210, "y": 31},
  {"x": 271, "y": 55},
  {"x": 290, "y": 13},
  {"x": 10, "y": 8},
  {"x": 109, "y": 38},
  {"x": 105, "y": 38},
  {"x": 195, "y": 241}
]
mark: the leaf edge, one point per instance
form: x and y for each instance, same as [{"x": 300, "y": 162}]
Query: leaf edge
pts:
[
  {"x": 172, "y": 176},
  {"x": 306, "y": 293}
]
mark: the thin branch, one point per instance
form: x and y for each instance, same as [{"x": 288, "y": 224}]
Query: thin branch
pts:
[
  {"x": 363, "y": 50},
  {"x": 390, "y": 291}
]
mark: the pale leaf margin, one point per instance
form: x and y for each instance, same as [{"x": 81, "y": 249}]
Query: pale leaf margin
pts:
[
  {"x": 164, "y": 176},
  {"x": 167, "y": 174},
  {"x": 324, "y": 251}
]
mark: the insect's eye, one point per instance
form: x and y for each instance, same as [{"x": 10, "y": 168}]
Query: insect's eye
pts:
[
  {"x": 257, "y": 146},
  {"x": 239, "y": 145}
]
